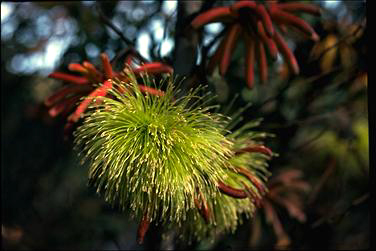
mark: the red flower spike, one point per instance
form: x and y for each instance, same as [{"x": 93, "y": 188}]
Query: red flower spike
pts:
[
  {"x": 65, "y": 99},
  {"x": 262, "y": 63},
  {"x": 142, "y": 229},
  {"x": 99, "y": 92},
  {"x": 78, "y": 68},
  {"x": 303, "y": 7},
  {"x": 229, "y": 47},
  {"x": 215, "y": 59},
  {"x": 257, "y": 9},
  {"x": 287, "y": 53},
  {"x": 59, "y": 95},
  {"x": 233, "y": 192},
  {"x": 91, "y": 68},
  {"x": 255, "y": 148},
  {"x": 265, "y": 18},
  {"x": 94, "y": 74},
  {"x": 203, "y": 207},
  {"x": 64, "y": 105},
  {"x": 242, "y": 4},
  {"x": 70, "y": 105},
  {"x": 249, "y": 61},
  {"x": 144, "y": 89},
  {"x": 287, "y": 18},
  {"x": 293, "y": 210},
  {"x": 152, "y": 91},
  {"x": 69, "y": 78},
  {"x": 128, "y": 59},
  {"x": 282, "y": 193},
  {"x": 272, "y": 47},
  {"x": 154, "y": 67},
  {"x": 272, "y": 218},
  {"x": 253, "y": 179},
  {"x": 252, "y": 195},
  {"x": 106, "y": 65},
  {"x": 212, "y": 15},
  {"x": 260, "y": 21},
  {"x": 282, "y": 28}
]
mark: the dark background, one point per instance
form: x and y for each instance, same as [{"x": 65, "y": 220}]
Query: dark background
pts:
[{"x": 319, "y": 118}]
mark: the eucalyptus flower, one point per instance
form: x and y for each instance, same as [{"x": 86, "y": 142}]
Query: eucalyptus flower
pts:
[
  {"x": 152, "y": 153},
  {"x": 241, "y": 190}
]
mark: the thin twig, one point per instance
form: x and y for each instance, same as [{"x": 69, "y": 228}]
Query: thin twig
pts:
[
  {"x": 130, "y": 44},
  {"x": 307, "y": 81},
  {"x": 205, "y": 49},
  {"x": 359, "y": 159},
  {"x": 341, "y": 40},
  {"x": 311, "y": 140},
  {"x": 166, "y": 25},
  {"x": 323, "y": 179},
  {"x": 107, "y": 21},
  {"x": 329, "y": 218}
]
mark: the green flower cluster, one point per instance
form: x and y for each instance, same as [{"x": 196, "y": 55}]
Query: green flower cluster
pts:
[
  {"x": 170, "y": 160},
  {"x": 246, "y": 170}
]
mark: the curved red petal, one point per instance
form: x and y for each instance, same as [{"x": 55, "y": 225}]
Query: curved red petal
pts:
[
  {"x": 78, "y": 68},
  {"x": 255, "y": 148},
  {"x": 151, "y": 90},
  {"x": 287, "y": 53},
  {"x": 266, "y": 20},
  {"x": 96, "y": 75},
  {"x": 212, "y": 15},
  {"x": 287, "y": 18},
  {"x": 142, "y": 229},
  {"x": 64, "y": 105},
  {"x": 106, "y": 65},
  {"x": 273, "y": 51},
  {"x": 243, "y": 4},
  {"x": 100, "y": 91},
  {"x": 231, "y": 40},
  {"x": 154, "y": 68},
  {"x": 69, "y": 78},
  {"x": 253, "y": 179},
  {"x": 262, "y": 63},
  {"x": 303, "y": 7},
  {"x": 60, "y": 94},
  {"x": 233, "y": 192},
  {"x": 215, "y": 59},
  {"x": 249, "y": 61}
]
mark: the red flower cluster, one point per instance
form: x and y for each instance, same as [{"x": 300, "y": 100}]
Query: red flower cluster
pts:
[
  {"x": 254, "y": 23},
  {"x": 77, "y": 87},
  {"x": 286, "y": 190}
]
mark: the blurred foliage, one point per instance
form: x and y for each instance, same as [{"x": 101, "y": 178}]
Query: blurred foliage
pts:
[{"x": 320, "y": 119}]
